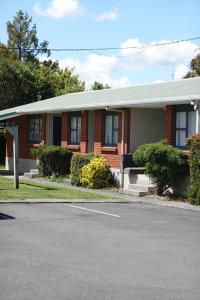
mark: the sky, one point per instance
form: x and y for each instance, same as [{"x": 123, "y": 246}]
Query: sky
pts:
[{"x": 115, "y": 23}]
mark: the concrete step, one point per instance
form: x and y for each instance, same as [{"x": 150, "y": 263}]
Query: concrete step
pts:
[
  {"x": 34, "y": 171},
  {"x": 31, "y": 175},
  {"x": 142, "y": 187},
  {"x": 135, "y": 193}
]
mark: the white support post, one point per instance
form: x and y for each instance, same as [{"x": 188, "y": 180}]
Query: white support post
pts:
[
  {"x": 198, "y": 118},
  {"x": 16, "y": 158},
  {"x": 14, "y": 132}
]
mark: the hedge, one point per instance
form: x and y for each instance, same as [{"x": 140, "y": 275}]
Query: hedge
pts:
[
  {"x": 193, "y": 193},
  {"x": 78, "y": 161},
  {"x": 96, "y": 174},
  {"x": 53, "y": 160}
]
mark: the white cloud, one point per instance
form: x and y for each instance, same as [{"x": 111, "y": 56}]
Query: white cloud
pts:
[
  {"x": 108, "y": 15},
  {"x": 60, "y": 8},
  {"x": 180, "y": 71},
  {"x": 97, "y": 67},
  {"x": 160, "y": 55}
]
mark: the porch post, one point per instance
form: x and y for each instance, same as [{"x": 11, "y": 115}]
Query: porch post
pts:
[{"x": 13, "y": 130}]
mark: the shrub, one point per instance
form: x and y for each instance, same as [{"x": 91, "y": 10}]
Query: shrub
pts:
[
  {"x": 193, "y": 193},
  {"x": 193, "y": 143},
  {"x": 140, "y": 155},
  {"x": 53, "y": 160},
  {"x": 164, "y": 164},
  {"x": 96, "y": 174},
  {"x": 77, "y": 162}
]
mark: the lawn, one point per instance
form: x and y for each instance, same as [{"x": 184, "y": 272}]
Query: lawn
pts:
[{"x": 32, "y": 190}]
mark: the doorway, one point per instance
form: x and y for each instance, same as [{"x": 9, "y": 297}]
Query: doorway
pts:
[{"x": 57, "y": 125}]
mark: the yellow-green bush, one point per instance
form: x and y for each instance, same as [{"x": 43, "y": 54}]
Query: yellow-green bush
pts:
[{"x": 96, "y": 174}]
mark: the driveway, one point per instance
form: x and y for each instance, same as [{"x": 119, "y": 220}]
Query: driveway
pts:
[{"x": 98, "y": 251}]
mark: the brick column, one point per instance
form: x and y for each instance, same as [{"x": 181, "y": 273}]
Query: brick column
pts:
[{"x": 84, "y": 132}]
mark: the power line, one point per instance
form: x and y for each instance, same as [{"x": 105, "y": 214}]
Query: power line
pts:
[{"x": 104, "y": 48}]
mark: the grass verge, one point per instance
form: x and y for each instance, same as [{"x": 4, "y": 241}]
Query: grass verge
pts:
[{"x": 32, "y": 190}]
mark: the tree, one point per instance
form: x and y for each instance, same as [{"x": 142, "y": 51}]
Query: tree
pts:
[
  {"x": 23, "y": 82},
  {"x": 23, "y": 37},
  {"x": 99, "y": 86},
  {"x": 194, "y": 67},
  {"x": 53, "y": 81}
]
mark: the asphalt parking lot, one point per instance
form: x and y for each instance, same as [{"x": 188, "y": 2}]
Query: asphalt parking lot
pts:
[{"x": 98, "y": 251}]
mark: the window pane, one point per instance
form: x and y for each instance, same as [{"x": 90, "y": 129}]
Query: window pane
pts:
[
  {"x": 115, "y": 121},
  {"x": 181, "y": 119},
  {"x": 73, "y": 122},
  {"x": 115, "y": 137},
  {"x": 79, "y": 130},
  {"x": 180, "y": 138},
  {"x": 35, "y": 125},
  {"x": 108, "y": 130},
  {"x": 191, "y": 122},
  {"x": 73, "y": 136}
]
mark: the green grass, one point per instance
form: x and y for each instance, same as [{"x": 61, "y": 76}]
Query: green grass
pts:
[
  {"x": 32, "y": 190},
  {"x": 2, "y": 166}
]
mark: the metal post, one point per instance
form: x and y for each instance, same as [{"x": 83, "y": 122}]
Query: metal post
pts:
[{"x": 16, "y": 158}]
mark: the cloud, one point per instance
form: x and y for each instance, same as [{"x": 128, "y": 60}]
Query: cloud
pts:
[
  {"x": 59, "y": 9},
  {"x": 152, "y": 55},
  {"x": 180, "y": 71},
  {"x": 97, "y": 67},
  {"x": 108, "y": 16}
]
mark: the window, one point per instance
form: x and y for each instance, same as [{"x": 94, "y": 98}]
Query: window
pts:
[
  {"x": 185, "y": 124},
  {"x": 75, "y": 128},
  {"x": 35, "y": 129},
  {"x": 111, "y": 128}
]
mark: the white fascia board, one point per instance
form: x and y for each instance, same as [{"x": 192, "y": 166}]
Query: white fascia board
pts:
[
  {"x": 130, "y": 103},
  {"x": 10, "y": 116}
]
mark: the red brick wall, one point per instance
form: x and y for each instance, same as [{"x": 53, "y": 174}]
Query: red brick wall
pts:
[
  {"x": 24, "y": 146},
  {"x": 112, "y": 154},
  {"x": 169, "y": 124}
]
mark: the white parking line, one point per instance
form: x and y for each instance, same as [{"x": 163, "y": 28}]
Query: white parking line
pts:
[{"x": 96, "y": 211}]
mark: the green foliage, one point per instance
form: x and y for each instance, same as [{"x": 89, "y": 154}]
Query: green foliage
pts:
[
  {"x": 96, "y": 174},
  {"x": 24, "y": 38},
  {"x": 193, "y": 143},
  {"x": 53, "y": 160},
  {"x": 78, "y": 161},
  {"x": 163, "y": 163},
  {"x": 17, "y": 83},
  {"x": 194, "y": 67},
  {"x": 100, "y": 86},
  {"x": 141, "y": 154},
  {"x": 193, "y": 194}
]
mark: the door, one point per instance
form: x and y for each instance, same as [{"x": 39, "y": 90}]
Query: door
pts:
[
  {"x": 57, "y": 124},
  {"x": 91, "y": 131}
]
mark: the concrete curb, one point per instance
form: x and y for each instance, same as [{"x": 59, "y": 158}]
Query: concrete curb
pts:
[{"x": 172, "y": 204}]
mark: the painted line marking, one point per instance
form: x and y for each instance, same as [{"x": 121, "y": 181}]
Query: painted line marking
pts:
[{"x": 96, "y": 211}]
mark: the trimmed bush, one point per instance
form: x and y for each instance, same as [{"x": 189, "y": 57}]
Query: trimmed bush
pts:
[
  {"x": 193, "y": 193},
  {"x": 164, "y": 164},
  {"x": 78, "y": 161},
  {"x": 53, "y": 160},
  {"x": 193, "y": 143},
  {"x": 96, "y": 174}
]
